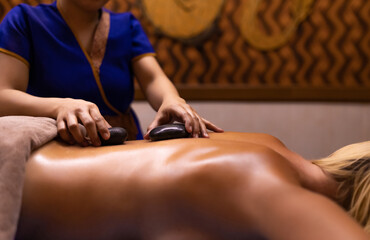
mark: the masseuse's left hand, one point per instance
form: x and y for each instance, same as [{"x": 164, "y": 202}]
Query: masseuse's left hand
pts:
[
  {"x": 164, "y": 98},
  {"x": 178, "y": 110}
]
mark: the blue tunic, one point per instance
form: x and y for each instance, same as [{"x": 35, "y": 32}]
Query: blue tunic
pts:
[{"x": 59, "y": 67}]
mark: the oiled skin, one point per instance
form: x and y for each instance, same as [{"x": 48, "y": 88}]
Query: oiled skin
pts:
[{"x": 231, "y": 186}]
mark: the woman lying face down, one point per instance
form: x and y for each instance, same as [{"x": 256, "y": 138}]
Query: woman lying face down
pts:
[{"x": 231, "y": 186}]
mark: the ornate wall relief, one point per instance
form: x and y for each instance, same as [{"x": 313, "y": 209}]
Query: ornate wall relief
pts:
[
  {"x": 251, "y": 28},
  {"x": 316, "y": 50},
  {"x": 182, "y": 19}
]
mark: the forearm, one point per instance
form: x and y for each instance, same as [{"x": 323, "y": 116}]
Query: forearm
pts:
[
  {"x": 15, "y": 102},
  {"x": 160, "y": 90},
  {"x": 154, "y": 83}
]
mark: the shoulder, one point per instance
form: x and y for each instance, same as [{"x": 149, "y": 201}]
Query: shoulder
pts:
[
  {"x": 257, "y": 162},
  {"x": 125, "y": 19},
  {"x": 124, "y": 16},
  {"x": 19, "y": 9},
  {"x": 14, "y": 25},
  {"x": 16, "y": 14},
  {"x": 23, "y": 13},
  {"x": 257, "y": 138},
  {"x": 24, "y": 9},
  {"x": 263, "y": 139}
]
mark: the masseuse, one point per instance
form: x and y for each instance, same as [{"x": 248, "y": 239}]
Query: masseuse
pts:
[{"x": 75, "y": 61}]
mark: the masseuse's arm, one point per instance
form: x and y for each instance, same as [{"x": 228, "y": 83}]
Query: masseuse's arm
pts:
[
  {"x": 164, "y": 98},
  {"x": 14, "y": 77}
]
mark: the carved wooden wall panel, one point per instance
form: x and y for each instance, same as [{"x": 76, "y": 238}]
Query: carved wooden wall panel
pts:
[{"x": 325, "y": 57}]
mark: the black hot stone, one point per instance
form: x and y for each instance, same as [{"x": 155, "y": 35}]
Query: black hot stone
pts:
[
  {"x": 168, "y": 131},
  {"x": 117, "y": 136}
]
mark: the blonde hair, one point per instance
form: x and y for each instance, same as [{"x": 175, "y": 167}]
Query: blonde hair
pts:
[{"x": 350, "y": 167}]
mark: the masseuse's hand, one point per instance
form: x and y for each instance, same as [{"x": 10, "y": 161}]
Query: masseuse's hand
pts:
[
  {"x": 71, "y": 112},
  {"x": 178, "y": 110}
]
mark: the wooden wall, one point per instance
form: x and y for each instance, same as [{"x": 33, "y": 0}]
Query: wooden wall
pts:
[{"x": 263, "y": 50}]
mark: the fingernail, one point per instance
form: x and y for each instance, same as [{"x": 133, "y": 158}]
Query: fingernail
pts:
[{"x": 106, "y": 136}]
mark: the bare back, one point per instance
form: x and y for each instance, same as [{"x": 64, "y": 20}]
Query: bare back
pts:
[{"x": 145, "y": 189}]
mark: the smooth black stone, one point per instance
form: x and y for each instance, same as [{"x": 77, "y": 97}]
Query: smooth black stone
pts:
[
  {"x": 168, "y": 131},
  {"x": 118, "y": 136}
]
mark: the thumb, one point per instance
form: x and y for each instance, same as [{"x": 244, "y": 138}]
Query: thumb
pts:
[{"x": 154, "y": 124}]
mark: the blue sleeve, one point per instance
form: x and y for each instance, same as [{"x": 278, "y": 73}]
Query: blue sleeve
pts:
[
  {"x": 14, "y": 34},
  {"x": 140, "y": 42}
]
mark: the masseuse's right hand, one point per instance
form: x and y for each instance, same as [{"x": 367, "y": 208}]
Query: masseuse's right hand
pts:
[
  {"x": 71, "y": 112},
  {"x": 14, "y": 77}
]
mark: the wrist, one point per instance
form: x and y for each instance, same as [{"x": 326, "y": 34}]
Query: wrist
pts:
[
  {"x": 56, "y": 107},
  {"x": 172, "y": 99}
]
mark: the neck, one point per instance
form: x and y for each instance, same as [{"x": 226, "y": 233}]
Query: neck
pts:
[
  {"x": 314, "y": 178},
  {"x": 77, "y": 16}
]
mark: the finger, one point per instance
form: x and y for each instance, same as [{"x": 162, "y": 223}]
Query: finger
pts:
[
  {"x": 90, "y": 127},
  {"x": 196, "y": 127},
  {"x": 101, "y": 124},
  {"x": 107, "y": 125},
  {"x": 148, "y": 130},
  {"x": 193, "y": 117},
  {"x": 212, "y": 127},
  {"x": 154, "y": 124},
  {"x": 203, "y": 128},
  {"x": 75, "y": 131},
  {"x": 64, "y": 133},
  {"x": 188, "y": 120},
  {"x": 146, "y": 136}
]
